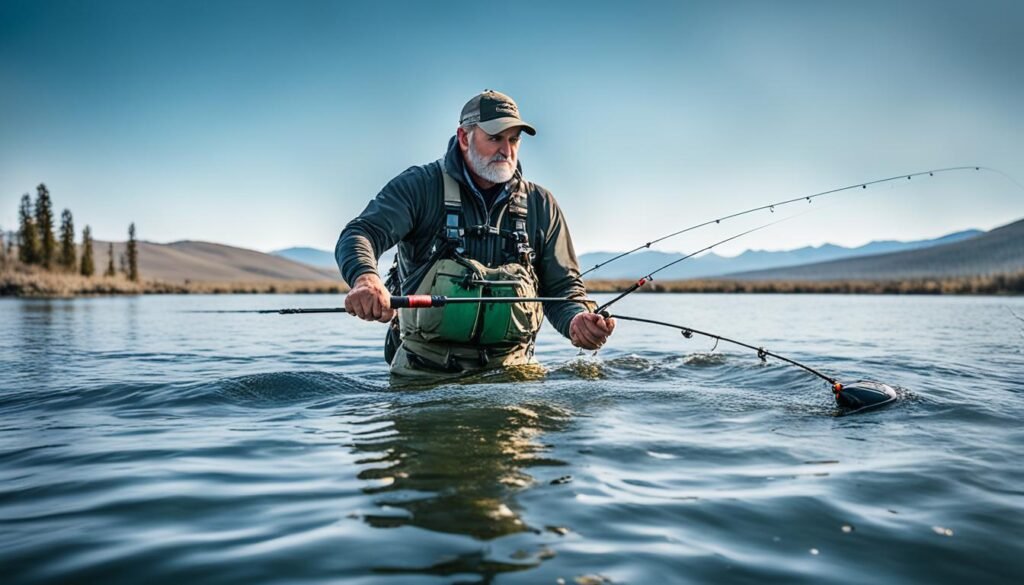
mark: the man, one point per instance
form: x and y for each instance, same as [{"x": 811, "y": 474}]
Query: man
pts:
[{"x": 468, "y": 225}]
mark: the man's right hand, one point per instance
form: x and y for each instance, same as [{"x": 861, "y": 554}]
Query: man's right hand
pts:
[{"x": 369, "y": 299}]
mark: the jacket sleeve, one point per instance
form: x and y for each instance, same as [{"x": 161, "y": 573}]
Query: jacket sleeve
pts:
[
  {"x": 388, "y": 218},
  {"x": 559, "y": 270}
]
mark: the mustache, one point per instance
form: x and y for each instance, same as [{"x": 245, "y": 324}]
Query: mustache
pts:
[{"x": 499, "y": 158}]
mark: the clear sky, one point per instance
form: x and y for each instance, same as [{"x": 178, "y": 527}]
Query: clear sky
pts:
[{"x": 270, "y": 124}]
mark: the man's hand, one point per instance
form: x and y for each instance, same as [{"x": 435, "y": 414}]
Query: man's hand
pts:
[
  {"x": 590, "y": 330},
  {"x": 369, "y": 299}
]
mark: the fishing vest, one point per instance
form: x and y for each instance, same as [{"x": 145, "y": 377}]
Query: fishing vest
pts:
[{"x": 475, "y": 329}]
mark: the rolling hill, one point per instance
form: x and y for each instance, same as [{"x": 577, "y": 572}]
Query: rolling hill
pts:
[
  {"x": 1000, "y": 250},
  {"x": 209, "y": 262}
]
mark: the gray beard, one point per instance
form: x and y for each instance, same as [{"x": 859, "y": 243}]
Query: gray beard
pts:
[{"x": 487, "y": 171}]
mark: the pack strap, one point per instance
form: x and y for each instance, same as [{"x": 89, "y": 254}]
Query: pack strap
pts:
[
  {"x": 455, "y": 230},
  {"x": 454, "y": 225},
  {"x": 518, "y": 210}
]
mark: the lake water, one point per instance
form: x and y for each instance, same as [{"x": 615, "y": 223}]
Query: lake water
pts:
[{"x": 141, "y": 443}]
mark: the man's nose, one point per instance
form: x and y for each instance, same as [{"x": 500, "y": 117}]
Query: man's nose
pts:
[{"x": 505, "y": 148}]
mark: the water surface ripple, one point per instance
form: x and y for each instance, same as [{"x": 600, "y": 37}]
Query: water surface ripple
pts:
[{"x": 142, "y": 443}]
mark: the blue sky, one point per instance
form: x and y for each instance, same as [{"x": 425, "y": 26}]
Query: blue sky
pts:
[{"x": 270, "y": 124}]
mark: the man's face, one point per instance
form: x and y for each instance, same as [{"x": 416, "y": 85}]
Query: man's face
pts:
[{"x": 491, "y": 157}]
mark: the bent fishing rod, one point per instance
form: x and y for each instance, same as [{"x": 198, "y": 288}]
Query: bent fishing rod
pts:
[{"x": 808, "y": 198}]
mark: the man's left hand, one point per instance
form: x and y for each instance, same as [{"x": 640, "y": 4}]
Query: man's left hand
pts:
[{"x": 590, "y": 330}]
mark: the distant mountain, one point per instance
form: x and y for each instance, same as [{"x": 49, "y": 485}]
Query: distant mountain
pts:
[
  {"x": 325, "y": 260},
  {"x": 310, "y": 256},
  {"x": 209, "y": 262},
  {"x": 998, "y": 251},
  {"x": 712, "y": 264}
]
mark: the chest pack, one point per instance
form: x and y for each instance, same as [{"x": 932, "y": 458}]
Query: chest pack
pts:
[{"x": 452, "y": 274}]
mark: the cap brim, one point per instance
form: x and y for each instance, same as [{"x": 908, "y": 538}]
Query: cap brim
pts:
[{"x": 499, "y": 125}]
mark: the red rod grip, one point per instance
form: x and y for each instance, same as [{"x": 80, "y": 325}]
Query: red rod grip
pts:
[{"x": 417, "y": 301}]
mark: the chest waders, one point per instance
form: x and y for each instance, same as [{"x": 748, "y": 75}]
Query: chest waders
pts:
[{"x": 464, "y": 337}]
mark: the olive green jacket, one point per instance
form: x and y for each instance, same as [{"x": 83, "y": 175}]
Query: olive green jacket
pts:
[{"x": 409, "y": 211}]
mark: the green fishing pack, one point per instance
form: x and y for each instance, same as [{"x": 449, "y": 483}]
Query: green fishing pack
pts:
[{"x": 484, "y": 324}]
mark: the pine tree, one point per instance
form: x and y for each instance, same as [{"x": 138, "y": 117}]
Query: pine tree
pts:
[
  {"x": 133, "y": 255},
  {"x": 110, "y": 261},
  {"x": 87, "y": 268},
  {"x": 67, "y": 241},
  {"x": 28, "y": 235},
  {"x": 44, "y": 223}
]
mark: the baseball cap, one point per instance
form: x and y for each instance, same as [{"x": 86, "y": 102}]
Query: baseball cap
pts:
[{"x": 493, "y": 112}]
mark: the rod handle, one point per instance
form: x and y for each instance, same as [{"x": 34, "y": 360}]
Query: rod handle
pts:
[{"x": 418, "y": 301}]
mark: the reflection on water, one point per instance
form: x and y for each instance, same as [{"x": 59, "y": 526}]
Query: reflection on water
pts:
[{"x": 455, "y": 470}]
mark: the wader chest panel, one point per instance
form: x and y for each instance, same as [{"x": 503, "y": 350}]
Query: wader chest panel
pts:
[{"x": 453, "y": 275}]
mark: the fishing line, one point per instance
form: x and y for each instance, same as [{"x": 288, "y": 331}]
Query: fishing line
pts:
[
  {"x": 808, "y": 198},
  {"x": 633, "y": 287},
  {"x": 857, "y": 396}
]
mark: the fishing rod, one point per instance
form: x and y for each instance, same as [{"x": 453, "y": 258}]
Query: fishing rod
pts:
[
  {"x": 808, "y": 198},
  {"x": 858, "y": 395},
  {"x": 414, "y": 302}
]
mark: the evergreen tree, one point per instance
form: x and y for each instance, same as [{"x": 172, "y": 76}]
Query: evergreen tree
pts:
[
  {"x": 3, "y": 250},
  {"x": 87, "y": 267},
  {"x": 44, "y": 223},
  {"x": 110, "y": 261},
  {"x": 28, "y": 235},
  {"x": 67, "y": 241},
  {"x": 133, "y": 255}
]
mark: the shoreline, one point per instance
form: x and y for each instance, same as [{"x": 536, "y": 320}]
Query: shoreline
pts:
[
  {"x": 996, "y": 284},
  {"x": 40, "y": 284}
]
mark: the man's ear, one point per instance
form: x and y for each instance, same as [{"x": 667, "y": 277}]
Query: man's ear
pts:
[{"x": 463, "y": 138}]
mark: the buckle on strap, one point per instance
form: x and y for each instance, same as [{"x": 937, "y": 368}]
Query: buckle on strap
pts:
[
  {"x": 483, "y": 230},
  {"x": 452, "y": 230}
]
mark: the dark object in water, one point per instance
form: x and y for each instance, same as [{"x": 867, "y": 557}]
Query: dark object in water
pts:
[{"x": 864, "y": 394}]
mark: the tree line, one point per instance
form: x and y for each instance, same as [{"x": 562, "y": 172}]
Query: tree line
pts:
[{"x": 38, "y": 245}]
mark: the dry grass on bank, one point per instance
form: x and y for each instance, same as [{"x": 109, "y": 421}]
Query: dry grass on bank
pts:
[
  {"x": 34, "y": 282},
  {"x": 997, "y": 284}
]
